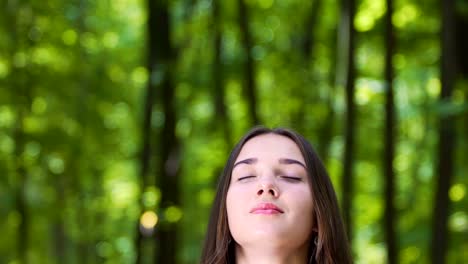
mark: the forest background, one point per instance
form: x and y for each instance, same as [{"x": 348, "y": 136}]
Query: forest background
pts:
[{"x": 116, "y": 118}]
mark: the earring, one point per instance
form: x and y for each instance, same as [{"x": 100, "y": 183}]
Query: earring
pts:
[
  {"x": 314, "y": 250},
  {"x": 312, "y": 258}
]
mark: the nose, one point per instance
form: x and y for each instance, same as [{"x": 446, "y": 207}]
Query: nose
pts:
[{"x": 267, "y": 188}]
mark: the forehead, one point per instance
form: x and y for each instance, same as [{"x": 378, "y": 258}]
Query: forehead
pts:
[{"x": 270, "y": 146}]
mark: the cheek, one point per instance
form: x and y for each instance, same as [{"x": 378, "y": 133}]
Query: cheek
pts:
[
  {"x": 235, "y": 197},
  {"x": 232, "y": 205},
  {"x": 236, "y": 207},
  {"x": 303, "y": 204},
  {"x": 306, "y": 197},
  {"x": 302, "y": 221}
]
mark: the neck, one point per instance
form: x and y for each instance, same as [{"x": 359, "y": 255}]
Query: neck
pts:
[{"x": 271, "y": 255}]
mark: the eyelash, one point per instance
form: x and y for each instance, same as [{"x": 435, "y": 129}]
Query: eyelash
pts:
[
  {"x": 288, "y": 178},
  {"x": 245, "y": 177},
  {"x": 291, "y": 178}
]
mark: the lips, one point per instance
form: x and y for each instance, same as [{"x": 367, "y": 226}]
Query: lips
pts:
[{"x": 266, "y": 208}]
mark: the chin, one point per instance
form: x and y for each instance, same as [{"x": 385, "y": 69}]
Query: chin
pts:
[
  {"x": 265, "y": 233},
  {"x": 264, "y": 242}
]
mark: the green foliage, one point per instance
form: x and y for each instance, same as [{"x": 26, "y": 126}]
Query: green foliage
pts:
[{"x": 72, "y": 84}]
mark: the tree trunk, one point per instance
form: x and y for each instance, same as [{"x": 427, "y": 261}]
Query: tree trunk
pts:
[
  {"x": 445, "y": 165},
  {"x": 348, "y": 32},
  {"x": 145, "y": 158},
  {"x": 20, "y": 81},
  {"x": 145, "y": 154},
  {"x": 78, "y": 181},
  {"x": 20, "y": 190},
  {"x": 222, "y": 118},
  {"x": 59, "y": 235},
  {"x": 157, "y": 28},
  {"x": 308, "y": 44},
  {"x": 389, "y": 147},
  {"x": 167, "y": 178},
  {"x": 326, "y": 130},
  {"x": 250, "y": 87},
  {"x": 309, "y": 34}
]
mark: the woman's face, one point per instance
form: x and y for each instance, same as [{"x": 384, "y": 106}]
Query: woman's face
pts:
[{"x": 269, "y": 201}]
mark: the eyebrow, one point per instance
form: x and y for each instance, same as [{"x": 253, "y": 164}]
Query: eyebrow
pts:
[
  {"x": 291, "y": 161},
  {"x": 246, "y": 161},
  {"x": 286, "y": 161}
]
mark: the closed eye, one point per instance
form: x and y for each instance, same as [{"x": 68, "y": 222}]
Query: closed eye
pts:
[
  {"x": 245, "y": 178},
  {"x": 292, "y": 178}
]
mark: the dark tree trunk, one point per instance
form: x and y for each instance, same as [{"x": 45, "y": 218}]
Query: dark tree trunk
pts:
[
  {"x": 78, "y": 178},
  {"x": 158, "y": 59},
  {"x": 445, "y": 165},
  {"x": 347, "y": 17},
  {"x": 60, "y": 238},
  {"x": 250, "y": 87},
  {"x": 222, "y": 118},
  {"x": 19, "y": 136},
  {"x": 145, "y": 157},
  {"x": 308, "y": 44},
  {"x": 389, "y": 147},
  {"x": 309, "y": 33},
  {"x": 21, "y": 176},
  {"x": 20, "y": 81},
  {"x": 326, "y": 130},
  {"x": 145, "y": 154},
  {"x": 167, "y": 178}
]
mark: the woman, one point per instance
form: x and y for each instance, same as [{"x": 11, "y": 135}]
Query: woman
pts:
[{"x": 275, "y": 204}]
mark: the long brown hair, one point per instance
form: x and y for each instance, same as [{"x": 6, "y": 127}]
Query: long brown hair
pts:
[{"x": 328, "y": 245}]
